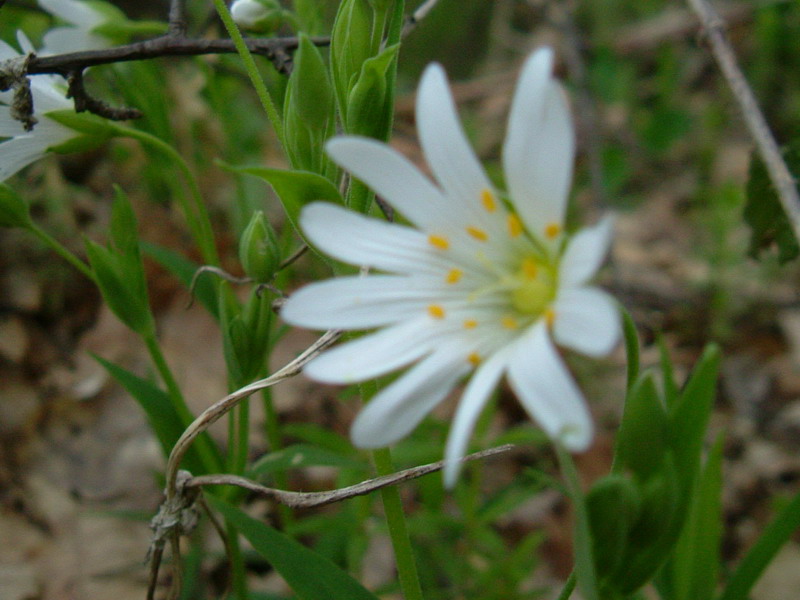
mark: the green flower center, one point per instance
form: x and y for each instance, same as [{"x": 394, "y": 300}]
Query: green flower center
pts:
[{"x": 533, "y": 287}]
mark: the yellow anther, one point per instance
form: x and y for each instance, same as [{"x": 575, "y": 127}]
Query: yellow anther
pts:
[
  {"x": 488, "y": 201},
  {"x": 474, "y": 359},
  {"x": 478, "y": 234},
  {"x": 509, "y": 322},
  {"x": 470, "y": 324},
  {"x": 439, "y": 241},
  {"x": 529, "y": 268},
  {"x": 436, "y": 311},
  {"x": 514, "y": 226},
  {"x": 454, "y": 275},
  {"x": 552, "y": 230},
  {"x": 549, "y": 317}
]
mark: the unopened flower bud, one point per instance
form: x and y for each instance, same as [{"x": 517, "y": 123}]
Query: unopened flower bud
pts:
[
  {"x": 261, "y": 16},
  {"x": 258, "y": 249}
]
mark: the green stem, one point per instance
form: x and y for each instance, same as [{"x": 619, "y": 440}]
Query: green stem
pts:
[
  {"x": 238, "y": 572},
  {"x": 62, "y": 251},
  {"x": 203, "y": 443},
  {"x": 398, "y": 531},
  {"x": 569, "y": 587},
  {"x": 275, "y": 440},
  {"x": 196, "y": 216},
  {"x": 252, "y": 70},
  {"x": 584, "y": 556}
]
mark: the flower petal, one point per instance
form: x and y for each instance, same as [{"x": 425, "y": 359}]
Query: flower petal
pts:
[
  {"x": 361, "y": 302},
  {"x": 587, "y": 320},
  {"x": 469, "y": 409},
  {"x": 374, "y": 354},
  {"x": 393, "y": 177},
  {"x": 585, "y": 253},
  {"x": 17, "y": 153},
  {"x": 446, "y": 148},
  {"x": 396, "y": 410},
  {"x": 546, "y": 390},
  {"x": 360, "y": 240},
  {"x": 81, "y": 14},
  {"x": 539, "y": 150}
]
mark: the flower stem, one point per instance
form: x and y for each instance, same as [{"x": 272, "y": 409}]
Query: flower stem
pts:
[
  {"x": 196, "y": 216},
  {"x": 398, "y": 531},
  {"x": 62, "y": 251},
  {"x": 569, "y": 587},
  {"x": 252, "y": 70}
]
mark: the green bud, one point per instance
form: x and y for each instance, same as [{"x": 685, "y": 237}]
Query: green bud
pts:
[
  {"x": 13, "y": 209},
  {"x": 613, "y": 504},
  {"x": 368, "y": 112},
  {"x": 258, "y": 249},
  {"x": 259, "y": 16},
  {"x": 351, "y": 45},
  {"x": 309, "y": 111}
]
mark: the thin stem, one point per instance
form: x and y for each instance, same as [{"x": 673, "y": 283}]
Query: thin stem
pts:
[
  {"x": 252, "y": 70},
  {"x": 62, "y": 251},
  {"x": 179, "y": 404},
  {"x": 779, "y": 173},
  {"x": 398, "y": 531},
  {"x": 196, "y": 216},
  {"x": 569, "y": 587}
]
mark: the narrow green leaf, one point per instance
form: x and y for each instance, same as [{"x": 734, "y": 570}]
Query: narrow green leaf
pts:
[
  {"x": 613, "y": 505},
  {"x": 310, "y": 575},
  {"x": 690, "y": 414},
  {"x": 755, "y": 562},
  {"x": 158, "y": 409},
  {"x": 631, "y": 347},
  {"x": 123, "y": 224},
  {"x": 295, "y": 189},
  {"x": 671, "y": 391},
  {"x": 696, "y": 559},
  {"x": 302, "y": 455}
]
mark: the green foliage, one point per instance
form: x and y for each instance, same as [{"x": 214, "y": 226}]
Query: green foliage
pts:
[
  {"x": 351, "y": 46},
  {"x": 161, "y": 415},
  {"x": 14, "y": 211},
  {"x": 309, "y": 110},
  {"x": 369, "y": 107},
  {"x": 119, "y": 271},
  {"x": 298, "y": 456},
  {"x": 310, "y": 575},
  {"x": 245, "y": 334},
  {"x": 770, "y": 227}
]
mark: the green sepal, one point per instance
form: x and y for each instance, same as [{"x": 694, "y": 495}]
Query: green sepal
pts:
[
  {"x": 245, "y": 334},
  {"x": 85, "y": 123},
  {"x": 613, "y": 504},
  {"x": 309, "y": 109},
  {"x": 14, "y": 211},
  {"x": 368, "y": 112},
  {"x": 350, "y": 47},
  {"x": 259, "y": 252},
  {"x": 643, "y": 437}
]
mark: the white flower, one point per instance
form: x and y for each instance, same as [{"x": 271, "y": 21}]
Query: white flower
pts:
[
  {"x": 82, "y": 18},
  {"x": 483, "y": 282},
  {"x": 256, "y": 15},
  {"x": 24, "y": 147}
]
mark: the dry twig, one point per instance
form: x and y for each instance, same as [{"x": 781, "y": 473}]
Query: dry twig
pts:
[{"x": 779, "y": 173}]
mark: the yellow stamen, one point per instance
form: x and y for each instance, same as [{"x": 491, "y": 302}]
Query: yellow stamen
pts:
[
  {"x": 436, "y": 311},
  {"x": 488, "y": 201},
  {"x": 549, "y": 317},
  {"x": 514, "y": 226},
  {"x": 478, "y": 234},
  {"x": 439, "y": 241},
  {"x": 552, "y": 230},
  {"x": 474, "y": 359},
  {"x": 529, "y": 268},
  {"x": 509, "y": 322},
  {"x": 454, "y": 275},
  {"x": 470, "y": 324}
]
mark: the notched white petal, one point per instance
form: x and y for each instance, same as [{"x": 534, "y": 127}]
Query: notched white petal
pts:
[
  {"x": 587, "y": 320},
  {"x": 586, "y": 252},
  {"x": 547, "y": 391},
  {"x": 394, "y": 178},
  {"x": 398, "y": 409}
]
